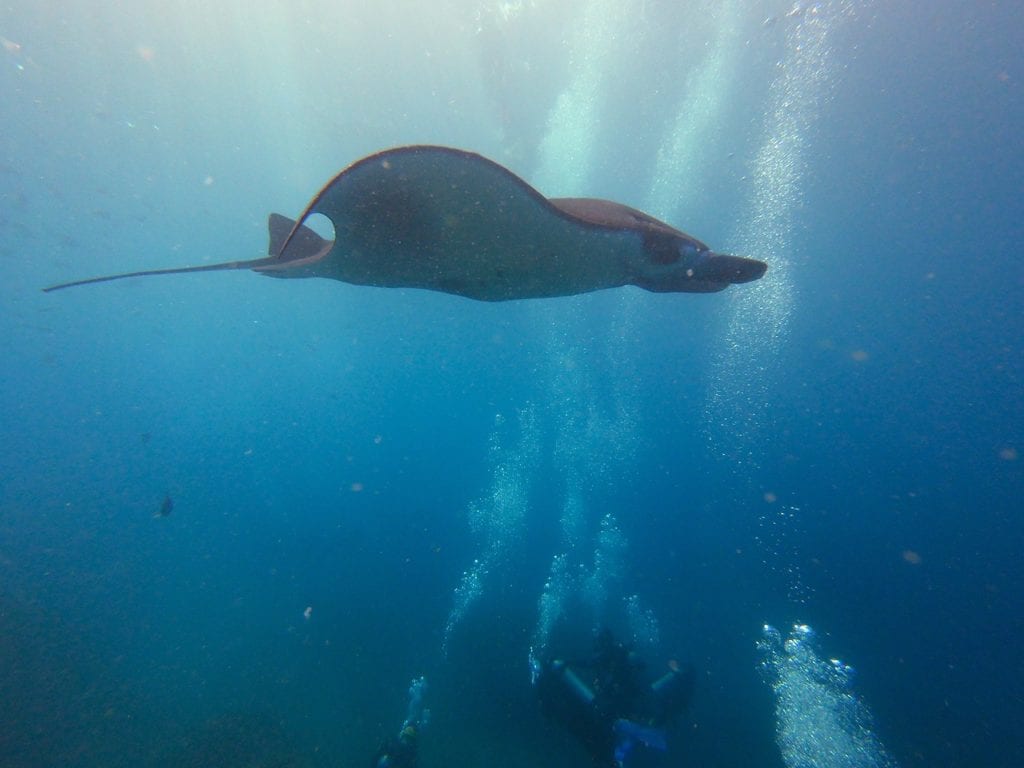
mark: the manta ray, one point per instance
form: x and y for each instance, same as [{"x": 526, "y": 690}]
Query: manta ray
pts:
[{"x": 453, "y": 221}]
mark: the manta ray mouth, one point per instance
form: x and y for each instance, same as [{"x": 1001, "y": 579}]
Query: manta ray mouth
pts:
[{"x": 733, "y": 269}]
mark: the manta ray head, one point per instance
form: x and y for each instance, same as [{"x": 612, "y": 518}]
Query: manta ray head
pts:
[{"x": 677, "y": 262}]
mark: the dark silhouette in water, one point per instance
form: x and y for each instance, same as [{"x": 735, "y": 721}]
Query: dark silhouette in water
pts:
[
  {"x": 453, "y": 221},
  {"x": 166, "y": 507}
]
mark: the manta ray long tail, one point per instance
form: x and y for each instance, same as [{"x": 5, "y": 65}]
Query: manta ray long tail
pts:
[
  {"x": 306, "y": 247},
  {"x": 170, "y": 271}
]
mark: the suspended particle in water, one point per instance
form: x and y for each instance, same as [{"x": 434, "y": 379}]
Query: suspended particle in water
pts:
[{"x": 911, "y": 557}]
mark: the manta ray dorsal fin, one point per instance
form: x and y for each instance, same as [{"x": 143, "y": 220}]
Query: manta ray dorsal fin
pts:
[{"x": 303, "y": 245}]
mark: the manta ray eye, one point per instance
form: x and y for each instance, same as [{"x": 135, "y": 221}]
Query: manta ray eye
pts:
[{"x": 688, "y": 251}]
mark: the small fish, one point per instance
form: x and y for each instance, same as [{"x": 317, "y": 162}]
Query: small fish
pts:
[{"x": 165, "y": 508}]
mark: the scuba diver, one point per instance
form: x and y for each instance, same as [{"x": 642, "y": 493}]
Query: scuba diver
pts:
[
  {"x": 606, "y": 702},
  {"x": 400, "y": 751}
]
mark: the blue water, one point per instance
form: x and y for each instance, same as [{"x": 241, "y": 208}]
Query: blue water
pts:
[{"x": 371, "y": 485}]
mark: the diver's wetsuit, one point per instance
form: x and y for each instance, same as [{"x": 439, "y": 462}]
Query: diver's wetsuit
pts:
[
  {"x": 401, "y": 751},
  {"x": 397, "y": 752}
]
